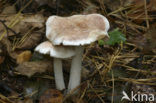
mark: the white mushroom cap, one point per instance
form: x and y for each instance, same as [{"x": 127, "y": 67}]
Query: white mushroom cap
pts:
[
  {"x": 77, "y": 29},
  {"x": 55, "y": 51}
]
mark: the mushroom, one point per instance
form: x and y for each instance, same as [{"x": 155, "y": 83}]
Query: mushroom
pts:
[
  {"x": 58, "y": 52},
  {"x": 76, "y": 31}
]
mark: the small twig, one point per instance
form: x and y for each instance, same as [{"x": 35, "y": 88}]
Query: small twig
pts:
[
  {"x": 83, "y": 94},
  {"x": 7, "y": 28},
  {"x": 146, "y": 14},
  {"x": 113, "y": 87},
  {"x": 72, "y": 91},
  {"x": 96, "y": 93},
  {"x": 102, "y": 6}
]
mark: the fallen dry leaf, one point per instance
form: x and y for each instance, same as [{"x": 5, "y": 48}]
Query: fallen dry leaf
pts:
[
  {"x": 30, "y": 68},
  {"x": 52, "y": 96},
  {"x": 22, "y": 23},
  {"x": 8, "y": 47},
  {"x": 34, "y": 39},
  {"x": 24, "y": 57},
  {"x": 9, "y": 10},
  {"x": 13, "y": 52},
  {"x": 8, "y": 19},
  {"x": 36, "y": 20}
]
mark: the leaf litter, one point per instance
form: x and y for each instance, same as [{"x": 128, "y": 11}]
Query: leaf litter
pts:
[{"x": 125, "y": 62}]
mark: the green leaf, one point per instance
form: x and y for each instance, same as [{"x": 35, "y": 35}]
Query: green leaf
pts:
[
  {"x": 101, "y": 42},
  {"x": 116, "y": 37}
]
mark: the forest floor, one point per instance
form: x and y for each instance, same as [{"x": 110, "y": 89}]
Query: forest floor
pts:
[{"x": 126, "y": 63}]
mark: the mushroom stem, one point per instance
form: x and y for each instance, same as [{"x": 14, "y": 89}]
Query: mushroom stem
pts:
[
  {"x": 58, "y": 73},
  {"x": 75, "y": 72}
]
